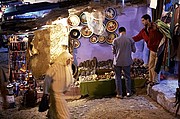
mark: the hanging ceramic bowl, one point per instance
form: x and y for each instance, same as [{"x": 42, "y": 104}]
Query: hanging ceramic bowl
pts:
[
  {"x": 75, "y": 34},
  {"x": 102, "y": 30},
  {"x": 110, "y": 13},
  {"x": 76, "y": 43},
  {"x": 102, "y": 39},
  {"x": 83, "y": 19},
  {"x": 86, "y": 31},
  {"x": 111, "y": 25},
  {"x": 93, "y": 39},
  {"x": 73, "y": 20},
  {"x": 111, "y": 38}
]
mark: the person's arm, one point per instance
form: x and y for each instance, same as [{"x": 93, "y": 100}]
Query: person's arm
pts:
[
  {"x": 138, "y": 37},
  {"x": 133, "y": 47},
  {"x": 48, "y": 80},
  {"x": 69, "y": 61},
  {"x": 113, "y": 47},
  {"x": 47, "y": 83}
]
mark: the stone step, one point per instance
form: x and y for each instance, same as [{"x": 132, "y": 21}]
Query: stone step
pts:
[{"x": 164, "y": 94}]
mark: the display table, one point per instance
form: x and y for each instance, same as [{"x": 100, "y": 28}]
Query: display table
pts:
[
  {"x": 107, "y": 87},
  {"x": 98, "y": 88}
]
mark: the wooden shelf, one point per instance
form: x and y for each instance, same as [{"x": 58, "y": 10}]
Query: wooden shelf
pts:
[{"x": 19, "y": 51}]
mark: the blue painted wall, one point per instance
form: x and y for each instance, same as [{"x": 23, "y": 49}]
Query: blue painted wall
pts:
[{"x": 130, "y": 18}]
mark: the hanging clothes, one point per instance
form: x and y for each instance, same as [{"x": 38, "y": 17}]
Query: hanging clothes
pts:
[
  {"x": 175, "y": 27},
  {"x": 163, "y": 47},
  {"x": 156, "y": 13}
]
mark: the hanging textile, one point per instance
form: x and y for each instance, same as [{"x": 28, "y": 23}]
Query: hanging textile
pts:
[
  {"x": 168, "y": 5},
  {"x": 153, "y": 4},
  {"x": 175, "y": 28},
  {"x": 163, "y": 48},
  {"x": 156, "y": 13}
]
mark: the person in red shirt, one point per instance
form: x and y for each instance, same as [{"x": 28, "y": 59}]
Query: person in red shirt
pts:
[{"x": 152, "y": 36}]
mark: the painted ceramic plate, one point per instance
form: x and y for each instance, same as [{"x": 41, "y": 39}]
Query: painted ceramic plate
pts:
[
  {"x": 110, "y": 13},
  {"x": 93, "y": 39},
  {"x": 83, "y": 18},
  {"x": 77, "y": 43},
  {"x": 111, "y": 26},
  {"x": 86, "y": 32},
  {"x": 102, "y": 39},
  {"x": 75, "y": 34},
  {"x": 111, "y": 38},
  {"x": 73, "y": 20}
]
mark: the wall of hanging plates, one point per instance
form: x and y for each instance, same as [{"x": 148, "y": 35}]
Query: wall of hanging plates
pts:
[{"x": 93, "y": 33}]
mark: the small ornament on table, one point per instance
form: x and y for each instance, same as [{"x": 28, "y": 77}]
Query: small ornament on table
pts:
[
  {"x": 10, "y": 89},
  {"x": 23, "y": 68}
]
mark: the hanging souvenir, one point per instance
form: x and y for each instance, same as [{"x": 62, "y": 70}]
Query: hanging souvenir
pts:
[
  {"x": 111, "y": 26},
  {"x": 83, "y": 19},
  {"x": 95, "y": 22},
  {"x": 76, "y": 43},
  {"x": 86, "y": 31},
  {"x": 93, "y": 39},
  {"x": 111, "y": 38},
  {"x": 73, "y": 20},
  {"x": 110, "y": 13},
  {"x": 102, "y": 39},
  {"x": 75, "y": 34}
]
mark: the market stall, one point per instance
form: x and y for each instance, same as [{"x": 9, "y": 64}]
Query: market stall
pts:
[
  {"x": 89, "y": 31},
  {"x": 99, "y": 80}
]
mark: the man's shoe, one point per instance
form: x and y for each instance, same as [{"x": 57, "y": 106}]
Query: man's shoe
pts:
[
  {"x": 128, "y": 95},
  {"x": 119, "y": 96},
  {"x": 153, "y": 83}
]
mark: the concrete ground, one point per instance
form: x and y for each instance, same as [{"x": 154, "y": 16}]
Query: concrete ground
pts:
[
  {"x": 159, "y": 104},
  {"x": 135, "y": 107}
]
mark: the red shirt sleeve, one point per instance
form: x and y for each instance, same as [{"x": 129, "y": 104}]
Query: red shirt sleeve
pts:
[{"x": 138, "y": 37}]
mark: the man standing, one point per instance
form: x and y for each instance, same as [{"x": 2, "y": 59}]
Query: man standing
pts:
[
  {"x": 152, "y": 36},
  {"x": 122, "y": 47}
]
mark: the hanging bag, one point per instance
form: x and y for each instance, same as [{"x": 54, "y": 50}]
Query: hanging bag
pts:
[{"x": 44, "y": 103}]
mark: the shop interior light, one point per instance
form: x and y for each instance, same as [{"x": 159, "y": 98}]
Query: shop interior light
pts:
[
  {"x": 122, "y": 2},
  {"x": 62, "y": 21},
  {"x": 3, "y": 8},
  {"x": 33, "y": 15},
  {"x": 10, "y": 18},
  {"x": 1, "y": 14}
]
